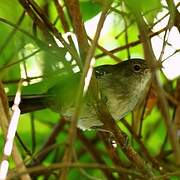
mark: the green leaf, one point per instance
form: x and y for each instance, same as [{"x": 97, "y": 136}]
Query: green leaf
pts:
[
  {"x": 150, "y": 9},
  {"x": 89, "y": 9}
]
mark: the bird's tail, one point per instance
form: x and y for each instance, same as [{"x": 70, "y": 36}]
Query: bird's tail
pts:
[{"x": 30, "y": 103}]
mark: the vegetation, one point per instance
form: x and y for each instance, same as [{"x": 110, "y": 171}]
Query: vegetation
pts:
[{"x": 37, "y": 50}]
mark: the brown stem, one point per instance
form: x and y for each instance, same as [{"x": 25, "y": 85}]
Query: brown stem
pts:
[
  {"x": 72, "y": 131},
  {"x": 61, "y": 15},
  {"x": 94, "y": 152},
  {"x": 149, "y": 55}
]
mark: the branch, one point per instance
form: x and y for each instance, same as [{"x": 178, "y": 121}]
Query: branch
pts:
[
  {"x": 44, "y": 169},
  {"x": 87, "y": 66},
  {"x": 121, "y": 139},
  {"x": 8, "y": 135},
  {"x": 149, "y": 55}
]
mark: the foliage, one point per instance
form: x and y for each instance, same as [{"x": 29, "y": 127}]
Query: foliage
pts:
[{"x": 35, "y": 47}]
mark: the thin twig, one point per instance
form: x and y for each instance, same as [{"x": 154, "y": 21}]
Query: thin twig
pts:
[
  {"x": 149, "y": 55},
  {"x": 61, "y": 15},
  {"x": 9, "y": 38},
  {"x": 56, "y": 166},
  {"x": 94, "y": 152},
  {"x": 88, "y": 63},
  {"x": 131, "y": 44},
  {"x": 9, "y": 129}
]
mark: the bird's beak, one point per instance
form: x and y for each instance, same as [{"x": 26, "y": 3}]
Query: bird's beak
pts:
[{"x": 155, "y": 65}]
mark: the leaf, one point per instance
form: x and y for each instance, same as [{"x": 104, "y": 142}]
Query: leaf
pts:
[
  {"x": 89, "y": 9},
  {"x": 150, "y": 9}
]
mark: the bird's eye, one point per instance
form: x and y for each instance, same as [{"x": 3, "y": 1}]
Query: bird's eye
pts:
[{"x": 137, "y": 68}]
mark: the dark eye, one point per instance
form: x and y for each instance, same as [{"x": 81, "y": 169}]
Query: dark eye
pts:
[{"x": 137, "y": 68}]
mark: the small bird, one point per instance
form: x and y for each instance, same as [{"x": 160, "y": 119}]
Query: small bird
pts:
[{"x": 123, "y": 86}]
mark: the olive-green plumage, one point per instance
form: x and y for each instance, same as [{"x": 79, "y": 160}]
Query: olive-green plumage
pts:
[{"x": 123, "y": 85}]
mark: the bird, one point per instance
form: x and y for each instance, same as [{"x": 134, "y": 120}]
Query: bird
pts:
[{"x": 122, "y": 85}]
